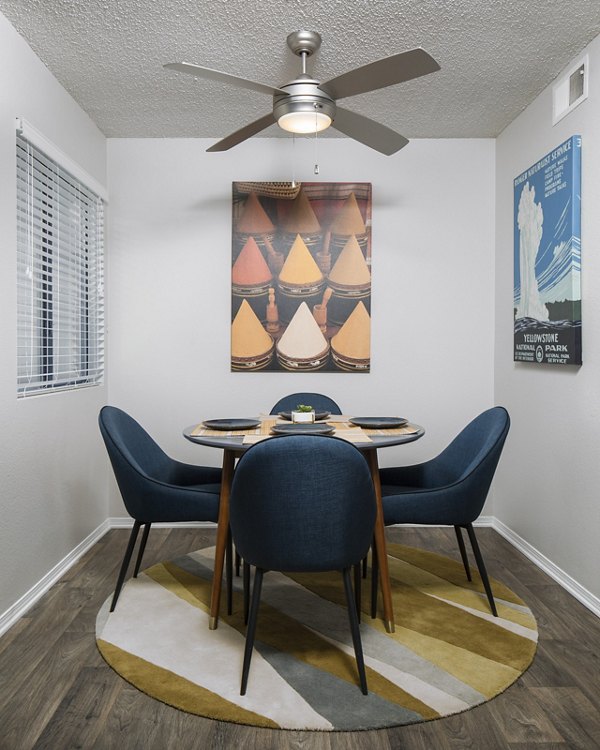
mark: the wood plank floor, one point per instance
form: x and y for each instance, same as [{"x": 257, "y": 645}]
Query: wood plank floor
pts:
[{"x": 56, "y": 692}]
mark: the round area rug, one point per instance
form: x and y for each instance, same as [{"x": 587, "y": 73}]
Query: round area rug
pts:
[{"x": 448, "y": 653}]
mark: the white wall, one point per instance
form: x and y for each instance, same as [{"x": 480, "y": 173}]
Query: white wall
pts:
[
  {"x": 169, "y": 282},
  {"x": 547, "y": 486},
  {"x": 52, "y": 465}
]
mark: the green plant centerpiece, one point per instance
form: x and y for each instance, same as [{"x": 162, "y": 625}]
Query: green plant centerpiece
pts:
[{"x": 303, "y": 413}]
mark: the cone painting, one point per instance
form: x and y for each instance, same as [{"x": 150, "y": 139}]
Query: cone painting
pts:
[{"x": 295, "y": 332}]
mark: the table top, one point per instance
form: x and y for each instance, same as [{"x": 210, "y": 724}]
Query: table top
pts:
[{"x": 362, "y": 438}]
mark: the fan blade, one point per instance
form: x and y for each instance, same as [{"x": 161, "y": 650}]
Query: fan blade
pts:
[
  {"x": 216, "y": 75},
  {"x": 368, "y": 132},
  {"x": 243, "y": 133},
  {"x": 381, "y": 73}
]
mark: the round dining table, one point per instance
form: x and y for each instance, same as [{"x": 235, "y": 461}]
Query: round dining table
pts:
[{"x": 235, "y": 443}]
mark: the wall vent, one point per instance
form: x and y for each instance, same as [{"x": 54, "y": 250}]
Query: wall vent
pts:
[{"x": 570, "y": 90}]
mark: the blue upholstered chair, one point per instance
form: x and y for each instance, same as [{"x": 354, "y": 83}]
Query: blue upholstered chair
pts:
[
  {"x": 452, "y": 488},
  {"x": 154, "y": 487},
  {"x": 302, "y": 503},
  {"x": 317, "y": 400}
]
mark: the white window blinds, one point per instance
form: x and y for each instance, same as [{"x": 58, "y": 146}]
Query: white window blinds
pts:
[{"x": 60, "y": 280}]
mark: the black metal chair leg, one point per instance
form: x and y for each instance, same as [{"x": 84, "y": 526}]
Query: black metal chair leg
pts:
[
  {"x": 463, "y": 551},
  {"x": 238, "y": 562},
  {"x": 355, "y": 630},
  {"x": 125, "y": 563},
  {"x": 374, "y": 581},
  {"x": 481, "y": 567},
  {"x": 357, "y": 589},
  {"x": 251, "y": 629},
  {"x": 364, "y": 566},
  {"x": 246, "y": 575},
  {"x": 141, "y": 550},
  {"x": 229, "y": 572}
]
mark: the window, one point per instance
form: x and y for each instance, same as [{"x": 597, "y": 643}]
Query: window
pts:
[{"x": 60, "y": 284}]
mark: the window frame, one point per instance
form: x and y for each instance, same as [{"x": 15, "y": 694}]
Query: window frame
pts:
[{"x": 60, "y": 270}]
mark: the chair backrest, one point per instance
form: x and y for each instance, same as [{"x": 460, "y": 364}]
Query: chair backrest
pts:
[
  {"x": 471, "y": 459},
  {"x": 479, "y": 442},
  {"x": 318, "y": 400},
  {"x": 302, "y": 503},
  {"x": 134, "y": 456}
]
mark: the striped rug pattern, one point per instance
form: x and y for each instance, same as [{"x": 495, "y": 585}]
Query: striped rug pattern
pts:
[{"x": 448, "y": 653}]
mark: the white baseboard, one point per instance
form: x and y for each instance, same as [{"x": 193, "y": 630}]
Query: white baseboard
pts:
[
  {"x": 481, "y": 521},
  {"x": 20, "y": 607},
  {"x": 125, "y": 522},
  {"x": 580, "y": 593}
]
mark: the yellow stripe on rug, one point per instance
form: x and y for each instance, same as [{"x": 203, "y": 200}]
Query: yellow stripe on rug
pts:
[{"x": 177, "y": 691}]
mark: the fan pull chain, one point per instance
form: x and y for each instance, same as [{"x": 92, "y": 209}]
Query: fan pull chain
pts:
[
  {"x": 316, "y": 170},
  {"x": 293, "y": 160}
]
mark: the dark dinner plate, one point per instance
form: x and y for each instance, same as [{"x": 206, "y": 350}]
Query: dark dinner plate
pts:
[
  {"x": 318, "y": 415},
  {"x": 302, "y": 429},
  {"x": 231, "y": 424},
  {"x": 379, "y": 423}
]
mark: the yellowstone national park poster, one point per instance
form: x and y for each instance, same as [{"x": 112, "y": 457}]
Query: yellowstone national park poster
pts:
[
  {"x": 301, "y": 277},
  {"x": 547, "y": 258}
]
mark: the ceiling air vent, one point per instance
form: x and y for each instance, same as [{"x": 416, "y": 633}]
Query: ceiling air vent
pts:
[{"x": 570, "y": 90}]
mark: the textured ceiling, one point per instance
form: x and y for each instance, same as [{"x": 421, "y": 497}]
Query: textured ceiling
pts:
[{"x": 495, "y": 58}]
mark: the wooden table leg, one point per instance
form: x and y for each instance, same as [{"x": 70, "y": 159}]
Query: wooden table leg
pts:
[
  {"x": 222, "y": 531},
  {"x": 379, "y": 534}
]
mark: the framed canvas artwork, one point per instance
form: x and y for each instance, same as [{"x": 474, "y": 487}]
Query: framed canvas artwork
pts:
[
  {"x": 301, "y": 277},
  {"x": 547, "y": 258}
]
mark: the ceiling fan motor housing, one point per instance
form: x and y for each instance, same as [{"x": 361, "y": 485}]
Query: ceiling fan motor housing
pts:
[{"x": 303, "y": 96}]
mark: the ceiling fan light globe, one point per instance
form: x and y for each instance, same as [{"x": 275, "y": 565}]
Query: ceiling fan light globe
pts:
[{"x": 304, "y": 122}]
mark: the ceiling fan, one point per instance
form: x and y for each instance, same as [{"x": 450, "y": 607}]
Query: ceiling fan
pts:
[{"x": 305, "y": 105}]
